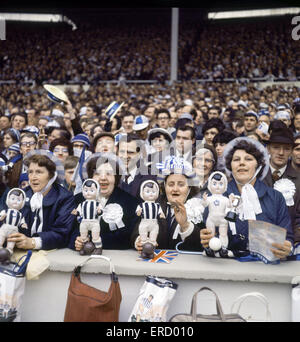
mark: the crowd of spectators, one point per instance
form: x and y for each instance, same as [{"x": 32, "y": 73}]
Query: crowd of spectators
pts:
[
  {"x": 190, "y": 121},
  {"x": 94, "y": 53}
]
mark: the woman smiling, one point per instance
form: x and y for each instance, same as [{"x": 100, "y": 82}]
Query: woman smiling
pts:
[
  {"x": 118, "y": 218},
  {"x": 248, "y": 163}
]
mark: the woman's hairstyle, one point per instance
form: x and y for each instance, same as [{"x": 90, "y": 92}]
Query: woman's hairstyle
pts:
[
  {"x": 192, "y": 193},
  {"x": 42, "y": 161},
  {"x": 152, "y": 136},
  {"x": 62, "y": 142},
  {"x": 213, "y": 123},
  {"x": 94, "y": 163},
  {"x": 224, "y": 137},
  {"x": 13, "y": 134},
  {"x": 249, "y": 148}
]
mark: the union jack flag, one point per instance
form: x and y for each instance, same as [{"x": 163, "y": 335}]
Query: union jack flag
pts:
[{"x": 162, "y": 256}]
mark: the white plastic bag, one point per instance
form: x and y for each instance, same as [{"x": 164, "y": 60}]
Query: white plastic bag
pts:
[
  {"x": 296, "y": 299},
  {"x": 153, "y": 300},
  {"x": 12, "y": 287}
]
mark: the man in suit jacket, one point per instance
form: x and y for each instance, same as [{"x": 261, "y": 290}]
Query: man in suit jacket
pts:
[
  {"x": 129, "y": 149},
  {"x": 280, "y": 148}
]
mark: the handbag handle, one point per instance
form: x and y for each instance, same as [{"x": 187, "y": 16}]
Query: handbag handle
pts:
[
  {"x": 239, "y": 300},
  {"x": 111, "y": 266},
  {"x": 218, "y": 305}
]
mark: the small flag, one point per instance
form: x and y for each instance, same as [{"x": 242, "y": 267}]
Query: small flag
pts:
[{"x": 162, "y": 256}]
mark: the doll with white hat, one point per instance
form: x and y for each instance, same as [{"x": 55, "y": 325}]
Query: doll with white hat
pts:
[{"x": 218, "y": 205}]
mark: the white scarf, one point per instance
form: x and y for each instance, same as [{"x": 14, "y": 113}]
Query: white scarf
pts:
[
  {"x": 250, "y": 201},
  {"x": 36, "y": 205}
]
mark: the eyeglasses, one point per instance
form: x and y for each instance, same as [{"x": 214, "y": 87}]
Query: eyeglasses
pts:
[
  {"x": 60, "y": 150},
  {"x": 164, "y": 118},
  {"x": 28, "y": 144}
]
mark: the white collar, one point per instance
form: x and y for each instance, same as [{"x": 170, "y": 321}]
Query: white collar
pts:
[{"x": 281, "y": 171}]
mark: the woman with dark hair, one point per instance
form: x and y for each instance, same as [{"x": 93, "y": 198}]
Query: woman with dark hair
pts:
[
  {"x": 183, "y": 212},
  {"x": 248, "y": 162},
  {"x": 119, "y": 217},
  {"x": 211, "y": 128},
  {"x": 61, "y": 148},
  {"x": 47, "y": 209},
  {"x": 10, "y": 137},
  {"x": 219, "y": 141}
]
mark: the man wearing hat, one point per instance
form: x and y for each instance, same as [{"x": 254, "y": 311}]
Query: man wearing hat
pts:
[
  {"x": 141, "y": 127},
  {"x": 280, "y": 147},
  {"x": 104, "y": 142},
  {"x": 79, "y": 141},
  {"x": 284, "y": 116}
]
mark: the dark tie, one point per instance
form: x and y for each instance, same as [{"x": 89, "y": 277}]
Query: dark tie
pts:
[
  {"x": 275, "y": 175},
  {"x": 126, "y": 179},
  {"x": 170, "y": 217}
]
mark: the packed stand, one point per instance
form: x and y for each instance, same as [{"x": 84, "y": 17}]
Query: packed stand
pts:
[{"x": 139, "y": 144}]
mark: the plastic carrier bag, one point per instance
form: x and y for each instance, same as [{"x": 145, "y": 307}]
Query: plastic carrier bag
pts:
[
  {"x": 12, "y": 287},
  {"x": 153, "y": 300}
]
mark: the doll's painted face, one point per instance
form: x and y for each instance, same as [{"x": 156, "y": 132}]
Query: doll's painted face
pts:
[
  {"x": 150, "y": 192},
  {"x": 15, "y": 200},
  {"x": 89, "y": 190},
  {"x": 217, "y": 185}
]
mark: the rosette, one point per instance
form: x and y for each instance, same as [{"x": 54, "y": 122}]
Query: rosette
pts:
[
  {"x": 287, "y": 188},
  {"x": 113, "y": 214},
  {"x": 194, "y": 210}
]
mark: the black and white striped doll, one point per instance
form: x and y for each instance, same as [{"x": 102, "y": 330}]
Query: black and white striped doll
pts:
[
  {"x": 149, "y": 211},
  {"x": 12, "y": 217},
  {"x": 89, "y": 212}
]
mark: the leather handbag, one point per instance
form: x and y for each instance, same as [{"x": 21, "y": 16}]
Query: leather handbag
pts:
[
  {"x": 194, "y": 317},
  {"x": 88, "y": 304},
  {"x": 259, "y": 297}
]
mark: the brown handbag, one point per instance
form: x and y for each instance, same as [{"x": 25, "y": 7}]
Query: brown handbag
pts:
[
  {"x": 194, "y": 317},
  {"x": 88, "y": 304}
]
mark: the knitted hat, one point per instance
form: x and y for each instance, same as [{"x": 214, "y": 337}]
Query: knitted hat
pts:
[
  {"x": 14, "y": 147},
  {"x": 82, "y": 137}
]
